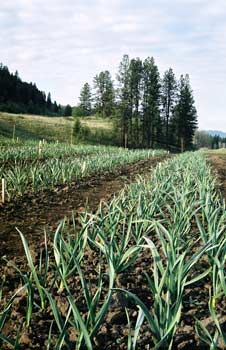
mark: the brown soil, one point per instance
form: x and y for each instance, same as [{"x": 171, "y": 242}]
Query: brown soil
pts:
[
  {"x": 218, "y": 163},
  {"x": 34, "y": 212}
]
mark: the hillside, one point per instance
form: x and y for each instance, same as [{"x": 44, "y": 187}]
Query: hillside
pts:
[
  {"x": 18, "y": 96},
  {"x": 33, "y": 127}
]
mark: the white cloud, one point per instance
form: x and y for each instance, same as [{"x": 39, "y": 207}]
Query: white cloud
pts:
[{"x": 61, "y": 44}]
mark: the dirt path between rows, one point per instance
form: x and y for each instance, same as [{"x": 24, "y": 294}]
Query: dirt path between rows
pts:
[
  {"x": 34, "y": 212},
  {"x": 218, "y": 163}
]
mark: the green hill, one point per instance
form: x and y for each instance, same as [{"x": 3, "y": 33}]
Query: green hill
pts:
[{"x": 35, "y": 127}]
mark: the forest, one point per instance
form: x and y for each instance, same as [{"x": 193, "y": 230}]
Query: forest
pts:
[
  {"x": 149, "y": 110},
  {"x": 17, "y": 96}
]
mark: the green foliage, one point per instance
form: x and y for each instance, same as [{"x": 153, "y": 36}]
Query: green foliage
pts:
[
  {"x": 149, "y": 111},
  {"x": 68, "y": 111},
  {"x": 151, "y": 103},
  {"x": 61, "y": 164},
  {"x": 85, "y": 98},
  {"x": 77, "y": 111},
  {"x": 80, "y": 132},
  {"x": 168, "y": 96},
  {"x": 185, "y": 115},
  {"x": 104, "y": 94}
]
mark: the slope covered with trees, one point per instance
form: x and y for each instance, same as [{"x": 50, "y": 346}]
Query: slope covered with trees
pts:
[{"x": 17, "y": 96}]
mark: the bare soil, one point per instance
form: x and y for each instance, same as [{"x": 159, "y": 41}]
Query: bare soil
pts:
[
  {"x": 218, "y": 163},
  {"x": 35, "y": 211}
]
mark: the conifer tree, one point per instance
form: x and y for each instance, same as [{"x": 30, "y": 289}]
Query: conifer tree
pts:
[
  {"x": 104, "y": 94},
  {"x": 49, "y": 103},
  {"x": 124, "y": 99},
  {"x": 135, "y": 71},
  {"x": 85, "y": 100},
  {"x": 169, "y": 94},
  {"x": 68, "y": 111},
  {"x": 151, "y": 103},
  {"x": 185, "y": 114}
]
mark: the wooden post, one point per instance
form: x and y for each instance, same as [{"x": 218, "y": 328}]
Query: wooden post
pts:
[
  {"x": 182, "y": 144},
  {"x": 71, "y": 136},
  {"x": 125, "y": 140},
  {"x": 40, "y": 148},
  {"x": 3, "y": 191},
  {"x": 14, "y": 131}
]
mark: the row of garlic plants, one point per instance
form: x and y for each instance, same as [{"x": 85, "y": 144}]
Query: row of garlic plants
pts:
[
  {"x": 35, "y": 177},
  {"x": 43, "y": 150},
  {"x": 177, "y": 217}
]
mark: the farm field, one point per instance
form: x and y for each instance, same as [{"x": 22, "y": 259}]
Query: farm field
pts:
[
  {"x": 140, "y": 268},
  {"x": 41, "y": 189}
]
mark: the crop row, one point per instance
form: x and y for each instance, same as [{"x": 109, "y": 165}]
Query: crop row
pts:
[
  {"x": 177, "y": 219},
  {"x": 36, "y": 151},
  {"x": 35, "y": 177}
]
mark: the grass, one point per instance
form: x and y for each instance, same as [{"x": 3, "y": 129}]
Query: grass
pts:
[
  {"x": 35, "y": 127},
  {"x": 220, "y": 151}
]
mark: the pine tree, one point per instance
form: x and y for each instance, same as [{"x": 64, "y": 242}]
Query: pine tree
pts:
[
  {"x": 105, "y": 94},
  {"x": 55, "y": 108},
  {"x": 124, "y": 100},
  {"x": 151, "y": 102},
  {"x": 49, "y": 103},
  {"x": 169, "y": 94},
  {"x": 86, "y": 100},
  {"x": 185, "y": 115},
  {"x": 135, "y": 71},
  {"x": 68, "y": 111}
]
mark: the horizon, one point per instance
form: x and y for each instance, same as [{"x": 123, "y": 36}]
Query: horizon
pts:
[{"x": 59, "y": 46}]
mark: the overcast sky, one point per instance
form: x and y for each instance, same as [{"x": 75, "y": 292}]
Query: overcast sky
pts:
[{"x": 60, "y": 44}]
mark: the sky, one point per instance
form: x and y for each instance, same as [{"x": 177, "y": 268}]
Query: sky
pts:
[{"x": 61, "y": 44}]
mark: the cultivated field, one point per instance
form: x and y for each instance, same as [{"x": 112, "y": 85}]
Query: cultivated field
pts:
[{"x": 139, "y": 264}]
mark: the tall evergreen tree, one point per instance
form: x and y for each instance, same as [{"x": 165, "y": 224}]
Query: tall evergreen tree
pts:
[
  {"x": 151, "y": 102},
  {"x": 86, "y": 100},
  {"x": 124, "y": 99},
  {"x": 55, "y": 108},
  {"x": 49, "y": 102},
  {"x": 169, "y": 94},
  {"x": 185, "y": 114},
  {"x": 105, "y": 94},
  {"x": 135, "y": 71}
]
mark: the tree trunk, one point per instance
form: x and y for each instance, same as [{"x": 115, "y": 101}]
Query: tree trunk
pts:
[{"x": 182, "y": 144}]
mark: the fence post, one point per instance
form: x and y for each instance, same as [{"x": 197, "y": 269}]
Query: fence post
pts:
[
  {"x": 3, "y": 190},
  {"x": 14, "y": 132},
  {"x": 40, "y": 148}
]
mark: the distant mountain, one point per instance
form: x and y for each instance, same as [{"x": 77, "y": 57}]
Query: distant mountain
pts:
[{"x": 216, "y": 132}]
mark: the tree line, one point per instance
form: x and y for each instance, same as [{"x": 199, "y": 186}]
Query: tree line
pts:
[
  {"x": 17, "y": 96},
  {"x": 149, "y": 110},
  {"x": 204, "y": 139}
]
